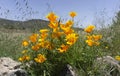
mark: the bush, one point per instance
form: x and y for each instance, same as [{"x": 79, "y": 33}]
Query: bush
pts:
[{"x": 48, "y": 52}]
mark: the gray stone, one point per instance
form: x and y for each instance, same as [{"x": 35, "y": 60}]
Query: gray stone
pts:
[
  {"x": 109, "y": 65},
  {"x": 68, "y": 71},
  {"x": 109, "y": 60},
  {"x": 18, "y": 72},
  {"x": 9, "y": 67}
]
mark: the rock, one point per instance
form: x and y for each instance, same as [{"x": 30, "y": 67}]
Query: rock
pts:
[
  {"x": 109, "y": 65},
  {"x": 110, "y": 60},
  {"x": 68, "y": 71},
  {"x": 17, "y": 72},
  {"x": 9, "y": 67}
]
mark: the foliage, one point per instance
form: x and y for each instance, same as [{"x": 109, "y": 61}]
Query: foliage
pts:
[
  {"x": 61, "y": 45},
  {"x": 47, "y": 53},
  {"x": 10, "y": 43},
  {"x": 115, "y": 29}
]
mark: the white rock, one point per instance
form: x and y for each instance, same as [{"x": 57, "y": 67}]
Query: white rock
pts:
[{"x": 9, "y": 67}]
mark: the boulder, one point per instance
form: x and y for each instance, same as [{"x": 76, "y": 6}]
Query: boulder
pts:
[
  {"x": 68, "y": 71},
  {"x": 109, "y": 65},
  {"x": 9, "y": 67}
]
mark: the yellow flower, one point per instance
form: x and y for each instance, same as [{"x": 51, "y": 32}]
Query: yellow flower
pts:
[
  {"x": 71, "y": 38},
  {"x": 24, "y": 58},
  {"x": 42, "y": 43},
  {"x": 90, "y": 42},
  {"x": 43, "y": 36},
  {"x": 63, "y": 48},
  {"x": 117, "y": 58},
  {"x": 89, "y": 37},
  {"x": 52, "y": 17},
  {"x": 57, "y": 34},
  {"x": 53, "y": 25},
  {"x": 93, "y": 40},
  {"x": 40, "y": 58},
  {"x": 97, "y": 37},
  {"x": 36, "y": 47},
  {"x": 68, "y": 31},
  {"x": 27, "y": 58},
  {"x": 69, "y": 23},
  {"x": 24, "y": 51},
  {"x": 63, "y": 27},
  {"x": 44, "y": 30},
  {"x": 72, "y": 14},
  {"x": 20, "y": 59},
  {"x": 33, "y": 38},
  {"x": 25, "y": 43},
  {"x": 47, "y": 45},
  {"x": 89, "y": 28},
  {"x": 41, "y": 39},
  {"x": 56, "y": 30}
]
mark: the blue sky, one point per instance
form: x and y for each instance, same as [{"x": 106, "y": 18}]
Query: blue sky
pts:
[{"x": 89, "y": 11}]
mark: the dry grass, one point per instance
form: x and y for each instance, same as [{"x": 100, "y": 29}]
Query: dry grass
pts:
[{"x": 10, "y": 42}]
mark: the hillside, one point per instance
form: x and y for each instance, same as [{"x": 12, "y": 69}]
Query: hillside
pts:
[
  {"x": 31, "y": 25},
  {"x": 23, "y": 25}
]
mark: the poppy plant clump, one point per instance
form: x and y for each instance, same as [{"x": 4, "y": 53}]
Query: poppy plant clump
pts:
[
  {"x": 53, "y": 45},
  {"x": 44, "y": 39}
]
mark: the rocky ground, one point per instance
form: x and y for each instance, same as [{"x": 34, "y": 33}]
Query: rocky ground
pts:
[{"x": 9, "y": 67}]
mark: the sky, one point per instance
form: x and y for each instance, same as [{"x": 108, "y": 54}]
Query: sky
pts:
[{"x": 88, "y": 11}]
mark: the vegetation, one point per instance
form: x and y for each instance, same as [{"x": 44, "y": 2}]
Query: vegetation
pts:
[
  {"x": 60, "y": 45},
  {"x": 45, "y": 45}
]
